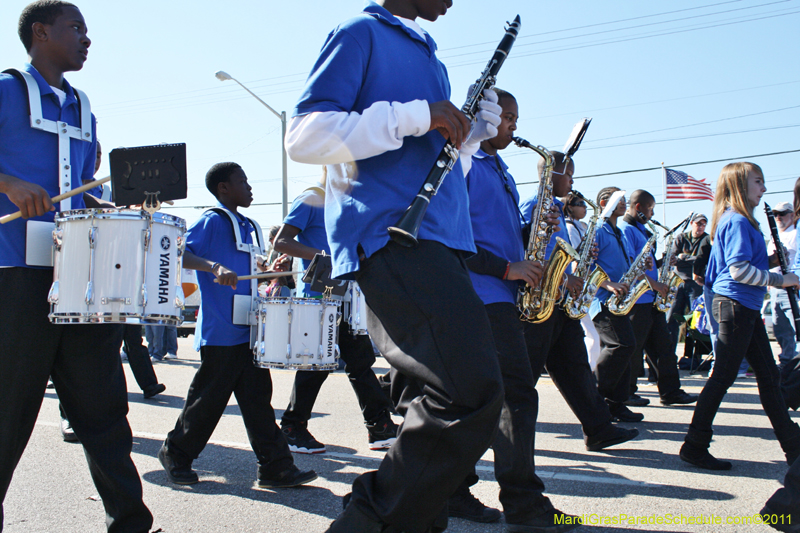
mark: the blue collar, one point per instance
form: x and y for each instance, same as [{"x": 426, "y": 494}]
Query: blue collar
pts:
[
  {"x": 381, "y": 13},
  {"x": 44, "y": 87}
]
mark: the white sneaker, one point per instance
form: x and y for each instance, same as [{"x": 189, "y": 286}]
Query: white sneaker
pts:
[
  {"x": 123, "y": 356},
  {"x": 169, "y": 356}
]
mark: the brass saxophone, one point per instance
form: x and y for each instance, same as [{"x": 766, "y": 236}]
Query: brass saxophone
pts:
[
  {"x": 667, "y": 274},
  {"x": 536, "y": 304},
  {"x": 637, "y": 289},
  {"x": 577, "y": 308}
]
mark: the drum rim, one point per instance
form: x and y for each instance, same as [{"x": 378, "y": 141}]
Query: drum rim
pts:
[{"x": 122, "y": 214}]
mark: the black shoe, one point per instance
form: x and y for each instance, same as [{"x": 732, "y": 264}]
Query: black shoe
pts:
[
  {"x": 636, "y": 401},
  {"x": 291, "y": 477},
  {"x": 703, "y": 459},
  {"x": 623, "y": 414},
  {"x": 679, "y": 397},
  {"x": 301, "y": 440},
  {"x": 610, "y": 436},
  {"x": 779, "y": 521},
  {"x": 152, "y": 390},
  {"x": 66, "y": 431},
  {"x": 180, "y": 474},
  {"x": 553, "y": 521},
  {"x": 382, "y": 433},
  {"x": 464, "y": 505}
]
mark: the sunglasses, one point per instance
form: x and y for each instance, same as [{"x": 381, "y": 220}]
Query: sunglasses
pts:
[
  {"x": 781, "y": 213},
  {"x": 578, "y": 204}
]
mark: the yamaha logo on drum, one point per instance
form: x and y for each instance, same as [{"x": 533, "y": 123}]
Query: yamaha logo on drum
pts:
[
  {"x": 165, "y": 243},
  {"x": 331, "y": 334}
]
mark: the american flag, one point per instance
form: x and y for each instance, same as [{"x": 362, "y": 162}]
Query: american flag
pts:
[{"x": 682, "y": 186}]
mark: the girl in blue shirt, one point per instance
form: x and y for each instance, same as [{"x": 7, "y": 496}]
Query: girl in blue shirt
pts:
[{"x": 738, "y": 273}]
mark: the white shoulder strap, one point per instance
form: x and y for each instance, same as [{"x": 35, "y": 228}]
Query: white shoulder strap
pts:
[{"x": 64, "y": 131}]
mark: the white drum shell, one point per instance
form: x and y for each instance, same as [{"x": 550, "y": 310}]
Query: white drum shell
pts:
[
  {"x": 296, "y": 334},
  {"x": 121, "y": 271},
  {"x": 356, "y": 310}
]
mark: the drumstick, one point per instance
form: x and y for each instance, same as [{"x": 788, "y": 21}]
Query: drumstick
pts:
[
  {"x": 267, "y": 275},
  {"x": 56, "y": 199}
]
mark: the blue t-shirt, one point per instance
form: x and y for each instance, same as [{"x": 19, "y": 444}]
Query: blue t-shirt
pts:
[
  {"x": 526, "y": 210},
  {"x": 614, "y": 255},
  {"x": 308, "y": 215},
  {"x": 32, "y": 155},
  {"x": 735, "y": 239},
  {"x": 211, "y": 237},
  {"x": 493, "y": 200},
  {"x": 375, "y": 58},
  {"x": 634, "y": 234}
]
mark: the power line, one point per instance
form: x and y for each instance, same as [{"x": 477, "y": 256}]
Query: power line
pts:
[{"x": 738, "y": 158}]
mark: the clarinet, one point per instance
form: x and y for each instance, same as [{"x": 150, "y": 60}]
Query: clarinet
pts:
[
  {"x": 406, "y": 230},
  {"x": 790, "y": 291}
]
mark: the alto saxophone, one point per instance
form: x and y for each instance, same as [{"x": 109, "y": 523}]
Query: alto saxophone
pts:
[
  {"x": 577, "y": 308},
  {"x": 667, "y": 274},
  {"x": 536, "y": 304},
  {"x": 637, "y": 289}
]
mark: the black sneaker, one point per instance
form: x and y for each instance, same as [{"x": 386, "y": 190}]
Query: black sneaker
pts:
[
  {"x": 636, "y": 401},
  {"x": 178, "y": 473},
  {"x": 153, "y": 390},
  {"x": 679, "y": 397},
  {"x": 703, "y": 459},
  {"x": 553, "y": 521},
  {"x": 464, "y": 505},
  {"x": 623, "y": 414},
  {"x": 301, "y": 441},
  {"x": 382, "y": 433},
  {"x": 610, "y": 436},
  {"x": 291, "y": 477}
]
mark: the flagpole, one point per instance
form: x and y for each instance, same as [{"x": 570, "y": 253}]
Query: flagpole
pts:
[{"x": 664, "y": 191}]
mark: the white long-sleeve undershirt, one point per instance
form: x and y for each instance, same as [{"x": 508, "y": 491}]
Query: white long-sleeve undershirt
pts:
[{"x": 744, "y": 272}]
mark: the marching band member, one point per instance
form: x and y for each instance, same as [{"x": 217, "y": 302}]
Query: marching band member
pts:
[
  {"x": 303, "y": 235},
  {"x": 376, "y": 111},
  {"x": 738, "y": 273},
  {"x": 557, "y": 344},
  {"x": 496, "y": 271},
  {"x": 83, "y": 359},
  {"x": 617, "y": 340},
  {"x": 226, "y": 365},
  {"x": 649, "y": 324}
]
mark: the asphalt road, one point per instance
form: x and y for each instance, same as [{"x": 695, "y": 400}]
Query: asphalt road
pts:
[{"x": 52, "y": 491}]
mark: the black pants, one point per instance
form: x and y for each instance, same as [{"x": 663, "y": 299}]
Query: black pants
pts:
[
  {"x": 521, "y": 490},
  {"x": 226, "y": 370},
  {"x": 357, "y": 353},
  {"x": 558, "y": 345},
  {"x": 650, "y": 328},
  {"x": 430, "y": 325},
  {"x": 741, "y": 332},
  {"x": 84, "y": 363},
  {"x": 617, "y": 342},
  {"x": 138, "y": 357}
]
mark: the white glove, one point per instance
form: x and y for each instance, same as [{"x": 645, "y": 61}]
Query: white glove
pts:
[{"x": 487, "y": 119}]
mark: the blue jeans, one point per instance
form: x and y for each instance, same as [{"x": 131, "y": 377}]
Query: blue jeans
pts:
[
  {"x": 161, "y": 340},
  {"x": 783, "y": 324}
]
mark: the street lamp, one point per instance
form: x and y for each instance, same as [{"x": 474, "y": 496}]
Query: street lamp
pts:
[{"x": 224, "y": 76}]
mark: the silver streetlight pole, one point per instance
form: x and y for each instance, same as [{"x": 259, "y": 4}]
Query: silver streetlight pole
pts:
[{"x": 224, "y": 76}]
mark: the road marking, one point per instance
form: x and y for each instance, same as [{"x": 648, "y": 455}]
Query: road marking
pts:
[{"x": 544, "y": 474}]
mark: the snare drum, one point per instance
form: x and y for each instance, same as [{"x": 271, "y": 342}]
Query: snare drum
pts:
[
  {"x": 117, "y": 266},
  {"x": 296, "y": 334},
  {"x": 356, "y": 310}
]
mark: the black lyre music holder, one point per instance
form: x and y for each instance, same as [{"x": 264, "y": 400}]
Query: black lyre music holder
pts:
[{"x": 148, "y": 175}]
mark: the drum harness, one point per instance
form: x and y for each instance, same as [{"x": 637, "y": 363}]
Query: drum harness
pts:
[{"x": 64, "y": 131}]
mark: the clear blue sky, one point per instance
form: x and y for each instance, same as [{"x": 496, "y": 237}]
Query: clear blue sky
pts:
[{"x": 675, "y": 81}]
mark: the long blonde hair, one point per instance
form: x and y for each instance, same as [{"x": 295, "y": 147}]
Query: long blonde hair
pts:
[{"x": 732, "y": 192}]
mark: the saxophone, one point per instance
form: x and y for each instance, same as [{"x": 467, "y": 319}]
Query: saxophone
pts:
[
  {"x": 577, "y": 308},
  {"x": 637, "y": 289},
  {"x": 667, "y": 274},
  {"x": 536, "y": 304}
]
